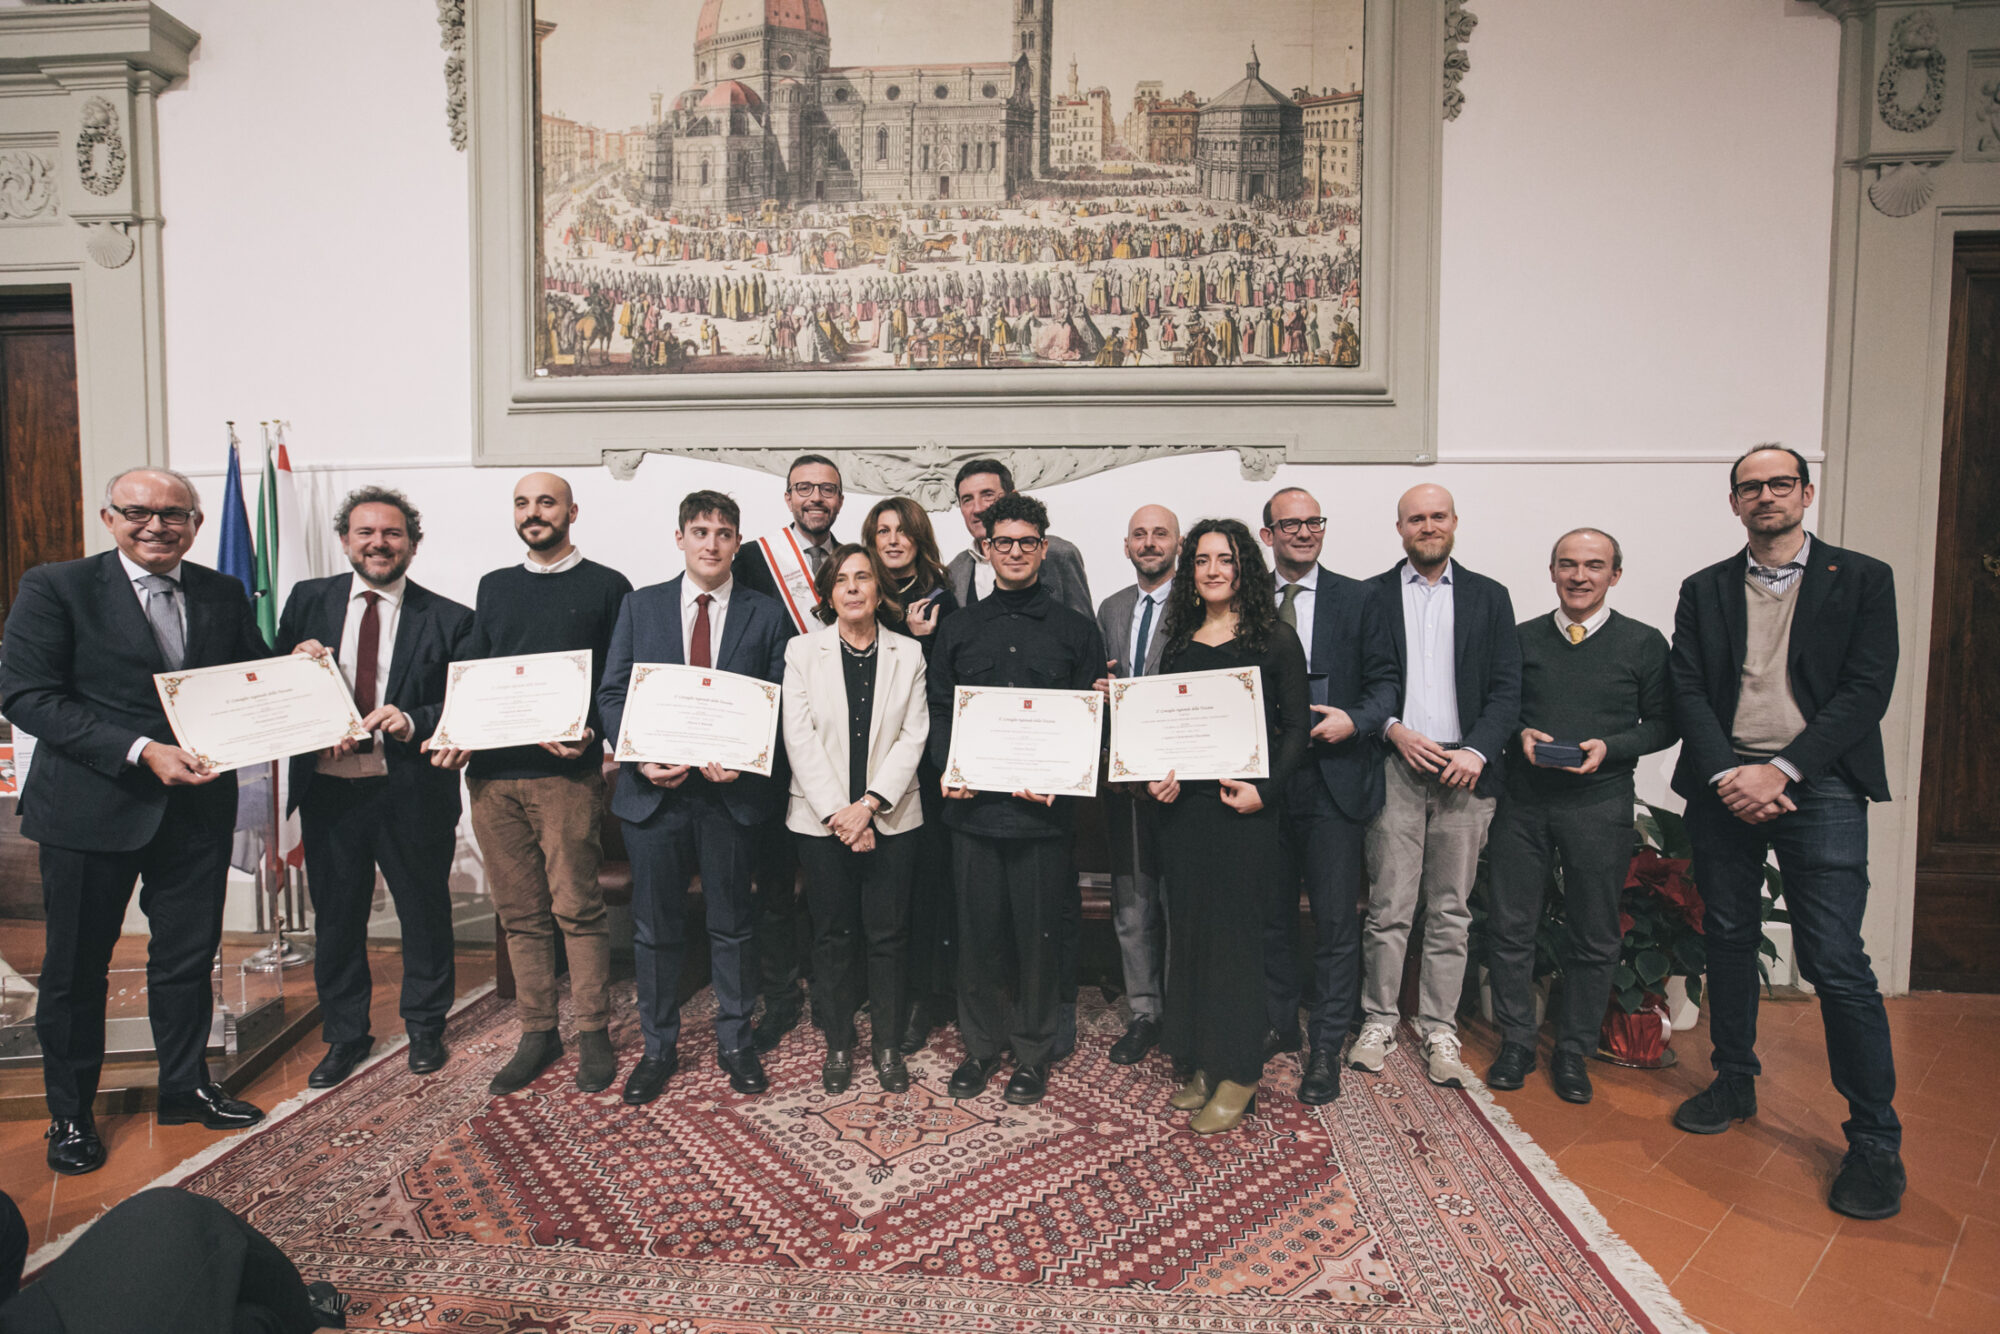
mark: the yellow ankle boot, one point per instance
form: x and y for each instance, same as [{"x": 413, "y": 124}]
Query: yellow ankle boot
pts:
[
  {"x": 1193, "y": 1095},
  {"x": 1226, "y": 1109}
]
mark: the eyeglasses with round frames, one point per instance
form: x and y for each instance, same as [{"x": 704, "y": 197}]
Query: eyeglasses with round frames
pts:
[
  {"x": 1028, "y": 545},
  {"x": 1780, "y": 486},
  {"x": 806, "y": 490}
]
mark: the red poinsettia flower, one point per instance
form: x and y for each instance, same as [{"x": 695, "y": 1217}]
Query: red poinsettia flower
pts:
[{"x": 1667, "y": 878}]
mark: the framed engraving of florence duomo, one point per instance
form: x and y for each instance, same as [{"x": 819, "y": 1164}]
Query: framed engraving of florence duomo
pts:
[{"x": 926, "y": 228}]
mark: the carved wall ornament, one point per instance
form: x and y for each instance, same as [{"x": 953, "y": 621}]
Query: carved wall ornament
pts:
[
  {"x": 1458, "y": 25},
  {"x": 1904, "y": 187},
  {"x": 103, "y": 172},
  {"x": 1987, "y": 113},
  {"x": 27, "y": 185},
  {"x": 451, "y": 25},
  {"x": 1916, "y": 53},
  {"x": 108, "y": 245}
]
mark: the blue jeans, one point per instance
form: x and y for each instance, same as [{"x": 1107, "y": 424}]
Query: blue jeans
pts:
[{"x": 1822, "y": 850}]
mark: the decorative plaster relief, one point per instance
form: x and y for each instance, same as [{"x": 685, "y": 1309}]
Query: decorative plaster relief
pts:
[
  {"x": 1458, "y": 25},
  {"x": 1914, "y": 65},
  {"x": 101, "y": 174},
  {"x": 108, "y": 245},
  {"x": 27, "y": 186},
  {"x": 1982, "y": 126},
  {"x": 451, "y": 23},
  {"x": 926, "y": 472}
]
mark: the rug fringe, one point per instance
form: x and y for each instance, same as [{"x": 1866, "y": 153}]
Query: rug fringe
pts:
[
  {"x": 187, "y": 1167},
  {"x": 1627, "y": 1266}
]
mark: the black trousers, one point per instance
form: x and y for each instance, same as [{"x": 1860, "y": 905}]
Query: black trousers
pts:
[
  {"x": 690, "y": 832},
  {"x": 860, "y": 905},
  {"x": 933, "y": 975},
  {"x": 774, "y": 888},
  {"x": 1011, "y": 911},
  {"x": 181, "y": 875},
  {"x": 1328, "y": 855},
  {"x": 349, "y": 827},
  {"x": 1593, "y": 842}
]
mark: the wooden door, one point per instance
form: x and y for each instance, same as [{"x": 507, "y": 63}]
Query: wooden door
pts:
[
  {"x": 1956, "y": 945},
  {"x": 41, "y": 477}
]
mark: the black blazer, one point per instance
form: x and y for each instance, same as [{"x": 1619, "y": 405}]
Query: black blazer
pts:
[
  {"x": 76, "y": 672},
  {"x": 1841, "y": 661},
  {"x": 432, "y": 632},
  {"x": 1354, "y": 652},
  {"x": 750, "y": 570},
  {"x": 1488, "y": 658}
]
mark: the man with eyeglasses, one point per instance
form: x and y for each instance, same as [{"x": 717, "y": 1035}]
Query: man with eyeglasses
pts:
[
  {"x": 1329, "y": 802},
  {"x": 980, "y": 482},
  {"x": 1784, "y": 656},
  {"x": 111, "y": 800},
  {"x": 1010, "y": 852},
  {"x": 814, "y": 495}
]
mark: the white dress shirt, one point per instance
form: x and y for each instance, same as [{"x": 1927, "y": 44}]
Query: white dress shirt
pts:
[
  {"x": 1303, "y": 605},
  {"x": 569, "y": 562},
  {"x": 807, "y": 546},
  {"x": 1158, "y": 597},
  {"x": 982, "y": 575},
  {"x": 373, "y": 763},
  {"x": 135, "y": 572},
  {"x": 1590, "y": 627},
  {"x": 718, "y": 608},
  {"x": 1430, "y": 673}
]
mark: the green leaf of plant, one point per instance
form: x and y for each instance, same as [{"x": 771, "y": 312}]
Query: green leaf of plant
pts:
[{"x": 1651, "y": 966}]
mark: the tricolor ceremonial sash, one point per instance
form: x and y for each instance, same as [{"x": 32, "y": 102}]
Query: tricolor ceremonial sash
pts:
[{"x": 787, "y": 562}]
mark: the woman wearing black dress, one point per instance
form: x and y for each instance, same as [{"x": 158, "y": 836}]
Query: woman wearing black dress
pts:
[{"x": 1222, "y": 839}]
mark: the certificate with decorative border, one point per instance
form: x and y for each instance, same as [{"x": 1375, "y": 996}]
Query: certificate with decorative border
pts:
[
  {"x": 1040, "y": 741},
  {"x": 697, "y": 715},
  {"x": 492, "y": 703},
  {"x": 253, "y": 712},
  {"x": 1196, "y": 725}
]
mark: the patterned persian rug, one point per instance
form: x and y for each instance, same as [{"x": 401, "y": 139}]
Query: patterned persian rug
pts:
[{"x": 1402, "y": 1208}]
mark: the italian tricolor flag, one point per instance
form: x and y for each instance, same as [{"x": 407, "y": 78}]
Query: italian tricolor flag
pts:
[{"x": 281, "y": 564}]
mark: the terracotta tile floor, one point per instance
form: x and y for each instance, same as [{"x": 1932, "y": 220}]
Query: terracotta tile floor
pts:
[{"x": 1736, "y": 1223}]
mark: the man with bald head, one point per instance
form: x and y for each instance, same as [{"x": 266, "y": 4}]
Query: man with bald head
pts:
[
  {"x": 1131, "y": 620},
  {"x": 112, "y": 800},
  {"x": 536, "y": 810},
  {"x": 1461, "y": 670}
]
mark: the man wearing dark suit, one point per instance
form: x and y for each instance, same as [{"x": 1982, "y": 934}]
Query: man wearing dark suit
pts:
[
  {"x": 111, "y": 802},
  {"x": 1351, "y": 656},
  {"x": 814, "y": 495},
  {"x": 1459, "y": 661},
  {"x": 379, "y": 802},
  {"x": 1131, "y": 620},
  {"x": 680, "y": 819},
  {"x": 1784, "y": 656},
  {"x": 981, "y": 482}
]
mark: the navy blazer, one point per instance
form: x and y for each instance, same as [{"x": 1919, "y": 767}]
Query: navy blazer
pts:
[
  {"x": 432, "y": 632},
  {"x": 1353, "y": 649},
  {"x": 649, "y": 630},
  {"x": 77, "y": 675},
  {"x": 1487, "y": 652},
  {"x": 1841, "y": 662}
]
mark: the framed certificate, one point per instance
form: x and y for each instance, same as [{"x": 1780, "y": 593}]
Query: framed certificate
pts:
[
  {"x": 1196, "y": 725},
  {"x": 491, "y": 703},
  {"x": 697, "y": 715},
  {"x": 1040, "y": 741},
  {"x": 254, "y": 712}
]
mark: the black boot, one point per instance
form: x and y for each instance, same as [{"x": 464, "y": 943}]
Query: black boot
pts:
[
  {"x": 1729, "y": 1099},
  {"x": 597, "y": 1063},
  {"x": 538, "y": 1050}
]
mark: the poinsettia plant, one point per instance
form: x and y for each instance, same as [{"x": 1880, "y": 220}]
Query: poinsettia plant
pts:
[{"x": 1661, "y": 912}]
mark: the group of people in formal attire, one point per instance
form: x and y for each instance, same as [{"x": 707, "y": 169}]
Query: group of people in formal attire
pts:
[{"x": 1412, "y": 727}]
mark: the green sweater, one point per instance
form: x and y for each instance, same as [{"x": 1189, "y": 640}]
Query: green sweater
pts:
[{"x": 1611, "y": 688}]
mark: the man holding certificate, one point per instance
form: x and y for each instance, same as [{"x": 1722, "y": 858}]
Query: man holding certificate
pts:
[
  {"x": 1011, "y": 849},
  {"x": 689, "y": 815}
]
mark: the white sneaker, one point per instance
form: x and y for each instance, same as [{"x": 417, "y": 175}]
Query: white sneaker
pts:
[
  {"x": 1441, "y": 1053},
  {"x": 1372, "y": 1047}
]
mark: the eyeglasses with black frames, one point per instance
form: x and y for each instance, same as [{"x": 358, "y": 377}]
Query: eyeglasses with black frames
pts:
[
  {"x": 1779, "y": 486},
  {"x": 1292, "y": 527},
  {"x": 1027, "y": 545},
  {"x": 139, "y": 514},
  {"x": 807, "y": 490}
]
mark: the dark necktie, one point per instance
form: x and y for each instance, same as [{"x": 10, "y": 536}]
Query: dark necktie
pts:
[
  {"x": 367, "y": 648},
  {"x": 698, "y": 637},
  {"x": 1287, "y": 612},
  {"x": 1145, "y": 637}
]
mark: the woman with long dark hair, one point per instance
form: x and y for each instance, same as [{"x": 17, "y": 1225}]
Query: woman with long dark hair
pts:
[
  {"x": 1221, "y": 839},
  {"x": 916, "y": 596}
]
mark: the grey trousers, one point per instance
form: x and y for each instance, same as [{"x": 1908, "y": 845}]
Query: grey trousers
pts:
[
  {"x": 1138, "y": 915},
  {"x": 1422, "y": 847}
]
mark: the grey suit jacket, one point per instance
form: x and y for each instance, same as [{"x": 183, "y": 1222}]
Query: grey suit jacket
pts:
[
  {"x": 1114, "y": 619},
  {"x": 1062, "y": 575}
]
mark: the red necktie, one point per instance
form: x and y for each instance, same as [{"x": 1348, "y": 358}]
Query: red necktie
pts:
[
  {"x": 367, "y": 648},
  {"x": 698, "y": 638}
]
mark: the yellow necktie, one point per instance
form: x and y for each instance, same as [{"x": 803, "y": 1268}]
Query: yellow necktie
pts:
[{"x": 1575, "y": 633}]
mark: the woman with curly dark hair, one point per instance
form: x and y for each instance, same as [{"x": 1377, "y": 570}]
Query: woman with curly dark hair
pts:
[{"x": 1221, "y": 839}]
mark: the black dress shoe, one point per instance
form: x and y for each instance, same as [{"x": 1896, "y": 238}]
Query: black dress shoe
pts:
[
  {"x": 339, "y": 1062},
  {"x": 781, "y": 1016},
  {"x": 649, "y": 1076},
  {"x": 1570, "y": 1075},
  {"x": 1870, "y": 1184},
  {"x": 328, "y": 1305},
  {"x": 1321, "y": 1083},
  {"x": 745, "y": 1071},
  {"x": 969, "y": 1080},
  {"x": 427, "y": 1053},
  {"x": 1729, "y": 1099},
  {"x": 836, "y": 1072},
  {"x": 890, "y": 1072},
  {"x": 1140, "y": 1037},
  {"x": 1511, "y": 1067},
  {"x": 209, "y": 1105},
  {"x": 1028, "y": 1085},
  {"x": 74, "y": 1147},
  {"x": 1276, "y": 1043}
]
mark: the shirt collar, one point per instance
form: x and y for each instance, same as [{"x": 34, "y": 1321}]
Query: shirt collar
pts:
[
  {"x": 718, "y": 598},
  {"x": 1309, "y": 583},
  {"x": 1797, "y": 562},
  {"x": 135, "y": 571},
  {"x": 1410, "y": 575},
  {"x": 1590, "y": 627},
  {"x": 825, "y": 539},
  {"x": 391, "y": 593},
  {"x": 569, "y": 562},
  {"x": 1158, "y": 595}
]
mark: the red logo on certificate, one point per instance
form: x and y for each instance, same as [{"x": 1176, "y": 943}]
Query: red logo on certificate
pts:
[
  {"x": 707, "y": 681},
  {"x": 249, "y": 676},
  {"x": 1027, "y": 704},
  {"x": 1183, "y": 688},
  {"x": 520, "y": 671}
]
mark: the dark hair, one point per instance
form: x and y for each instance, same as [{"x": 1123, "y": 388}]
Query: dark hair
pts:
[
  {"x": 380, "y": 495},
  {"x": 1017, "y": 506},
  {"x": 1617, "y": 552},
  {"x": 1805, "y": 469},
  {"x": 1282, "y": 491},
  {"x": 974, "y": 467},
  {"x": 805, "y": 459},
  {"x": 823, "y": 582},
  {"x": 928, "y": 568},
  {"x": 1256, "y": 595},
  {"x": 697, "y": 503}
]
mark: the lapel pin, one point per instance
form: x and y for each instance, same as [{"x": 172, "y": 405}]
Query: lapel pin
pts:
[{"x": 1831, "y": 568}]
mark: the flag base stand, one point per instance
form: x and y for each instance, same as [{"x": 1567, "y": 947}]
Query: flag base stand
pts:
[{"x": 280, "y": 953}]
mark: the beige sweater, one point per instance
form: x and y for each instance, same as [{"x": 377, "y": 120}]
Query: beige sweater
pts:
[{"x": 1767, "y": 717}]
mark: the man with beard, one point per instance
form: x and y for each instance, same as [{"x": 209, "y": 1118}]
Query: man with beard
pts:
[
  {"x": 814, "y": 495},
  {"x": 1461, "y": 670},
  {"x": 379, "y": 802},
  {"x": 1130, "y": 621},
  {"x": 536, "y": 810}
]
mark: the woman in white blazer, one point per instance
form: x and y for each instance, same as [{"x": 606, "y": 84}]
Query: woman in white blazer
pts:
[{"x": 856, "y": 720}]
